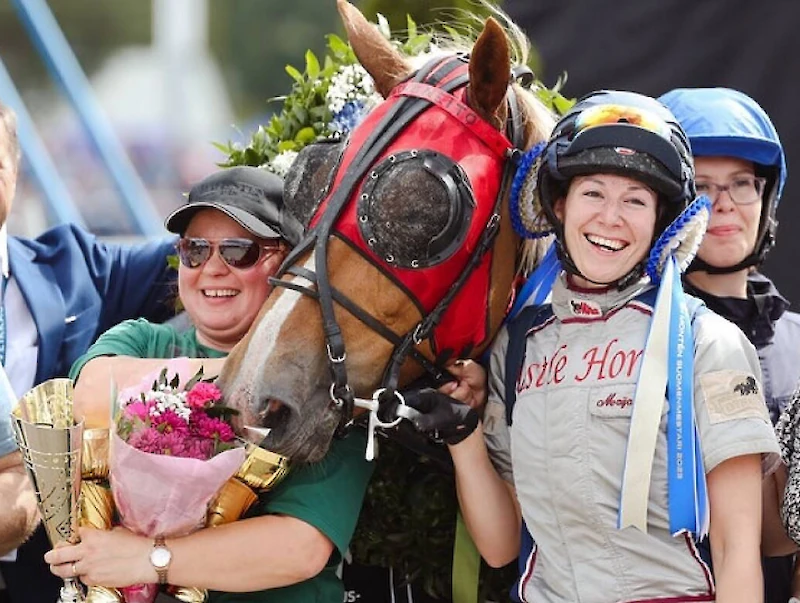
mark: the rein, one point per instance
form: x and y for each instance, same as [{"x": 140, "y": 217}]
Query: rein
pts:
[{"x": 429, "y": 87}]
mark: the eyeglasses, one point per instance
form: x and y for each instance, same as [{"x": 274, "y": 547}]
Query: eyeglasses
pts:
[
  {"x": 604, "y": 115},
  {"x": 743, "y": 190},
  {"x": 235, "y": 252}
]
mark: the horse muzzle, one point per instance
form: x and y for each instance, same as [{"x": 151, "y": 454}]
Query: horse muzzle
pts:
[{"x": 282, "y": 426}]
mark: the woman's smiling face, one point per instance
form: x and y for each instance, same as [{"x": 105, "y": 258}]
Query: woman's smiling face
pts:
[
  {"x": 608, "y": 225},
  {"x": 223, "y": 301},
  {"x": 732, "y": 228}
]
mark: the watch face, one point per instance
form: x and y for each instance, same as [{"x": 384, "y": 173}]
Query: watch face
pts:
[{"x": 160, "y": 557}]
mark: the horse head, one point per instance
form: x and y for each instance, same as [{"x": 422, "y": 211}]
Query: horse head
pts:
[{"x": 409, "y": 256}]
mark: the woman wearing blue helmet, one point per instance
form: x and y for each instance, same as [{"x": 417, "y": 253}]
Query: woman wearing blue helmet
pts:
[{"x": 740, "y": 165}]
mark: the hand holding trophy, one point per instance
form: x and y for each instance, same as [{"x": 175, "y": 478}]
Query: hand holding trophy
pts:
[{"x": 51, "y": 442}]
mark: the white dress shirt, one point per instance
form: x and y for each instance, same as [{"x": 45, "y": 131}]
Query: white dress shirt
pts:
[{"x": 22, "y": 338}]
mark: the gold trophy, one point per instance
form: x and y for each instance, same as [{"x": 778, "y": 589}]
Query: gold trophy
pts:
[
  {"x": 50, "y": 442},
  {"x": 261, "y": 470},
  {"x": 97, "y": 502}
]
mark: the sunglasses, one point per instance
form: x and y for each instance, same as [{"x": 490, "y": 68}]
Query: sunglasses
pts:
[
  {"x": 602, "y": 115},
  {"x": 235, "y": 252}
]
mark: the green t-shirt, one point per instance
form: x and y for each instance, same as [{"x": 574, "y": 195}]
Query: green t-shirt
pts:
[
  {"x": 143, "y": 339},
  {"x": 326, "y": 495}
]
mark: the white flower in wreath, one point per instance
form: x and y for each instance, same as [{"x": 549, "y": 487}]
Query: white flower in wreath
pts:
[
  {"x": 350, "y": 96},
  {"x": 281, "y": 163}
]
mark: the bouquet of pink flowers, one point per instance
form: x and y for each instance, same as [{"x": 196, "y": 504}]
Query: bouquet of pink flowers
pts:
[
  {"x": 172, "y": 452},
  {"x": 175, "y": 421}
]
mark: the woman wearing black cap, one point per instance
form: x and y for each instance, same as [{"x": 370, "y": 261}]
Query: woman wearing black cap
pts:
[
  {"x": 234, "y": 235},
  {"x": 233, "y": 239}
]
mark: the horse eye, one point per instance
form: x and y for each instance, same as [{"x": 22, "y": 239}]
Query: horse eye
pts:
[
  {"x": 307, "y": 181},
  {"x": 391, "y": 225}
]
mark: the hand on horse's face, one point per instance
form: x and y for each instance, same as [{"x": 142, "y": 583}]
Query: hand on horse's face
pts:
[{"x": 469, "y": 386}]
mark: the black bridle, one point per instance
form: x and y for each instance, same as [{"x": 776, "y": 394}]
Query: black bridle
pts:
[{"x": 397, "y": 118}]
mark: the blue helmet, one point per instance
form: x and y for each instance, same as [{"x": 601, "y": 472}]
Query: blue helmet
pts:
[{"x": 728, "y": 123}]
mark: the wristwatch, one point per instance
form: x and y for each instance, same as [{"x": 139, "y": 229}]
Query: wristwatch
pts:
[{"x": 160, "y": 558}]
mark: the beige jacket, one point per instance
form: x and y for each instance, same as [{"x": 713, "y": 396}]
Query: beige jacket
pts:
[{"x": 568, "y": 440}]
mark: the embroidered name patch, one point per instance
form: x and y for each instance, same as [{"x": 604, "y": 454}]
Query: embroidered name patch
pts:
[
  {"x": 584, "y": 308},
  {"x": 733, "y": 395},
  {"x": 611, "y": 404}
]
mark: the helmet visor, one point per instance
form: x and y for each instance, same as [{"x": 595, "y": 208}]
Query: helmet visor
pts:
[
  {"x": 603, "y": 115},
  {"x": 627, "y": 127}
]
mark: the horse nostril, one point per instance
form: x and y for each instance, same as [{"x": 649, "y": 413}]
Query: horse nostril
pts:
[{"x": 274, "y": 413}]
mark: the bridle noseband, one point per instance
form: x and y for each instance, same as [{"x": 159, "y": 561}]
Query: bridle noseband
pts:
[{"x": 433, "y": 86}]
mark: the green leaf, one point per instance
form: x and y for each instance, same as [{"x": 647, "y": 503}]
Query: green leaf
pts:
[
  {"x": 300, "y": 114},
  {"x": 338, "y": 46},
  {"x": 220, "y": 411},
  {"x": 305, "y": 136},
  {"x": 319, "y": 112},
  {"x": 417, "y": 44},
  {"x": 412, "y": 27},
  {"x": 294, "y": 73},
  {"x": 451, "y": 31},
  {"x": 562, "y": 105},
  {"x": 312, "y": 65},
  {"x": 198, "y": 376},
  {"x": 251, "y": 157},
  {"x": 175, "y": 381}
]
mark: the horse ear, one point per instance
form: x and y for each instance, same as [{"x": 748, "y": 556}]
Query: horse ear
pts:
[
  {"x": 490, "y": 73},
  {"x": 381, "y": 60}
]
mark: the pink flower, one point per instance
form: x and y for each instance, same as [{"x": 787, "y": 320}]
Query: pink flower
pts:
[
  {"x": 168, "y": 422},
  {"x": 172, "y": 443},
  {"x": 203, "y": 395},
  {"x": 155, "y": 421},
  {"x": 137, "y": 410},
  {"x": 147, "y": 440},
  {"x": 211, "y": 428},
  {"x": 197, "y": 449}
]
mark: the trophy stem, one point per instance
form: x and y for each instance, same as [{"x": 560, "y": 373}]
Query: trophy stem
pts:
[{"x": 71, "y": 592}]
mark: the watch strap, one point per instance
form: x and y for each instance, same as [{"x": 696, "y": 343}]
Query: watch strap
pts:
[{"x": 161, "y": 571}]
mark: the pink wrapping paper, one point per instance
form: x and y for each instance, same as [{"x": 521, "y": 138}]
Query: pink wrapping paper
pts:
[{"x": 158, "y": 495}]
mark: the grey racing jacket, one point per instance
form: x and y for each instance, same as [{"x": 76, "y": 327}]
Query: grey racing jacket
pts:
[{"x": 565, "y": 449}]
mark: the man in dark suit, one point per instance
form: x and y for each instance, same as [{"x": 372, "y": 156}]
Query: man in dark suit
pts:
[{"x": 57, "y": 294}]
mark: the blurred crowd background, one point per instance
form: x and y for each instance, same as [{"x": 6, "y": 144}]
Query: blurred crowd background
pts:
[{"x": 175, "y": 76}]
